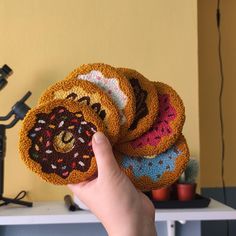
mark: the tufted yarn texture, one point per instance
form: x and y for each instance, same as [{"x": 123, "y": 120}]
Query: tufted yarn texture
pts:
[{"x": 142, "y": 119}]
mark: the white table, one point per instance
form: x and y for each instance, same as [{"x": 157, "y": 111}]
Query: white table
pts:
[
  {"x": 56, "y": 213},
  {"x": 215, "y": 211}
]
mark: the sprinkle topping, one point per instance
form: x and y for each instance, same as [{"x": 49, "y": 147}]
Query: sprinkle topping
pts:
[{"x": 62, "y": 142}]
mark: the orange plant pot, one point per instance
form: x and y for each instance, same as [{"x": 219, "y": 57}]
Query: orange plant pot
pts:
[
  {"x": 162, "y": 194},
  {"x": 186, "y": 192}
]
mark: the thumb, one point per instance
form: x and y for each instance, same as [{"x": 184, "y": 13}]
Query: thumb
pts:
[{"x": 106, "y": 162}]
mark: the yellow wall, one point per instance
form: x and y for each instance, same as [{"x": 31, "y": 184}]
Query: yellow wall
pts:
[
  {"x": 209, "y": 88},
  {"x": 44, "y": 40}
]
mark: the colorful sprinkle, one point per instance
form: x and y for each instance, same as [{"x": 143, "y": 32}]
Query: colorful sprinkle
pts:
[
  {"x": 79, "y": 130},
  {"x": 78, "y": 115},
  {"x": 81, "y": 140},
  {"x": 76, "y": 154},
  {"x": 61, "y": 123},
  {"x": 71, "y": 127},
  {"x": 73, "y": 165},
  {"x": 48, "y": 133},
  {"x": 41, "y": 139},
  {"x": 93, "y": 130},
  {"x": 48, "y": 144},
  {"x": 33, "y": 135},
  {"x": 74, "y": 121},
  {"x": 37, "y": 129},
  {"x": 41, "y": 122},
  {"x": 64, "y": 117},
  {"x": 84, "y": 123},
  {"x": 60, "y": 160},
  {"x": 81, "y": 163},
  {"x": 52, "y": 126},
  {"x": 87, "y": 133},
  {"x": 63, "y": 167},
  {"x": 52, "y": 117},
  {"x": 86, "y": 156},
  {"x": 62, "y": 110},
  {"x": 36, "y": 147},
  {"x": 65, "y": 173},
  {"x": 35, "y": 155},
  {"x": 53, "y": 166},
  {"x": 48, "y": 151}
]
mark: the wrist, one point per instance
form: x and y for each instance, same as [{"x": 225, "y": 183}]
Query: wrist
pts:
[{"x": 138, "y": 226}]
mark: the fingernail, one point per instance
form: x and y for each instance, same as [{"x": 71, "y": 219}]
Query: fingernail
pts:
[{"x": 99, "y": 137}]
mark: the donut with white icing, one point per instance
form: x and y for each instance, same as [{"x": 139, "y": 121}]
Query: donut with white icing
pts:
[{"x": 113, "y": 84}]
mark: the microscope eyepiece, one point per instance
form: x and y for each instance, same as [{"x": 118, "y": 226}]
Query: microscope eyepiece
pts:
[{"x": 5, "y": 72}]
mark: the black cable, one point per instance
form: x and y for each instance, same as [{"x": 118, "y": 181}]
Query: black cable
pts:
[
  {"x": 218, "y": 21},
  {"x": 220, "y": 100},
  {"x": 3, "y": 204},
  {"x": 19, "y": 196}
]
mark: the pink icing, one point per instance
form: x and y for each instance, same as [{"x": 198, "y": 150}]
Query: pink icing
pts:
[{"x": 161, "y": 126}]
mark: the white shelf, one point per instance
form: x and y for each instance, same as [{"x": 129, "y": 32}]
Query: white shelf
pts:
[
  {"x": 215, "y": 211},
  {"x": 57, "y": 213}
]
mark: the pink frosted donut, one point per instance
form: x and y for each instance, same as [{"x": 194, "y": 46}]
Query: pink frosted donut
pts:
[{"x": 165, "y": 130}]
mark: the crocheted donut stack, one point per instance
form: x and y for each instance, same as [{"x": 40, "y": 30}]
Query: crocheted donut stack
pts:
[{"x": 142, "y": 119}]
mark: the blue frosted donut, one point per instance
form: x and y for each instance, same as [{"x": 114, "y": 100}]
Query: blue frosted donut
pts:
[{"x": 153, "y": 172}]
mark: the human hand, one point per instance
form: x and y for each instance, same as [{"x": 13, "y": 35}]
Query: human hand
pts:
[{"x": 121, "y": 208}]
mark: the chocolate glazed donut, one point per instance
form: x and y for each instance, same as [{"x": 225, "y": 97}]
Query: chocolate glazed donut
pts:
[{"x": 61, "y": 142}]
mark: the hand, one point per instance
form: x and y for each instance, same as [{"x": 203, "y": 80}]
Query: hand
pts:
[{"x": 112, "y": 197}]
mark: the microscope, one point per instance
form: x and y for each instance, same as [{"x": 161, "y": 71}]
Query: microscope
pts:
[{"x": 18, "y": 112}]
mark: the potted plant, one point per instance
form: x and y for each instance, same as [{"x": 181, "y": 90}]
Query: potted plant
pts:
[
  {"x": 186, "y": 186},
  {"x": 162, "y": 194}
]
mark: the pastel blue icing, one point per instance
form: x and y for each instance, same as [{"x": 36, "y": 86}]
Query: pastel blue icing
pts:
[{"x": 152, "y": 167}]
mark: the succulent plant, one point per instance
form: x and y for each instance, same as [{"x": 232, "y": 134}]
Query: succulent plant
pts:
[{"x": 190, "y": 174}]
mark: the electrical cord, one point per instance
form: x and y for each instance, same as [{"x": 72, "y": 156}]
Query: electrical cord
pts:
[
  {"x": 19, "y": 196},
  {"x": 220, "y": 101},
  {"x": 218, "y": 21}
]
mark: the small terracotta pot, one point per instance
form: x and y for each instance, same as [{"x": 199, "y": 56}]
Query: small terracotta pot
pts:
[
  {"x": 186, "y": 192},
  {"x": 162, "y": 194}
]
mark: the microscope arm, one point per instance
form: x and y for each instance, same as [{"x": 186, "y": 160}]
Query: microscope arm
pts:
[
  {"x": 7, "y": 117},
  {"x": 20, "y": 109},
  {"x": 13, "y": 123}
]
